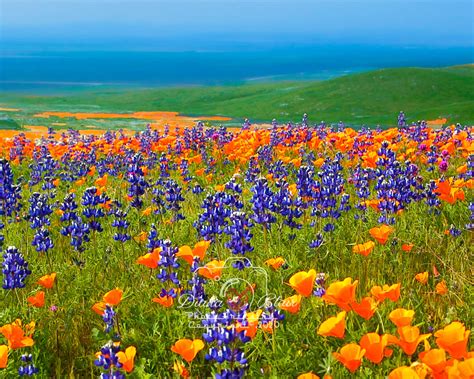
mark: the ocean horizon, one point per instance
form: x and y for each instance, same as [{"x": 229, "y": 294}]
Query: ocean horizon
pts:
[{"x": 50, "y": 71}]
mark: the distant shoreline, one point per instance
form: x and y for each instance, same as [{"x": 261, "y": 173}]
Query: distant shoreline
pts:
[
  {"x": 60, "y": 71},
  {"x": 65, "y": 87}
]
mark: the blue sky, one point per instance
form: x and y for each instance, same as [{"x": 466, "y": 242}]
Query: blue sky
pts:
[{"x": 175, "y": 24}]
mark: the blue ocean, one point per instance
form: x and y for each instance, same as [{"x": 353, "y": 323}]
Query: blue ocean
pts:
[{"x": 38, "y": 71}]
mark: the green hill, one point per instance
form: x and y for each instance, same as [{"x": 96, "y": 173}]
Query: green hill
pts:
[{"x": 368, "y": 98}]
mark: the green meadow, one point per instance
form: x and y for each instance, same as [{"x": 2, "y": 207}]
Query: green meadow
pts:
[{"x": 370, "y": 98}]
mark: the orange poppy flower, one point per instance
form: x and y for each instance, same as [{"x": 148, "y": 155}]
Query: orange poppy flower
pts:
[
  {"x": 435, "y": 359},
  {"x": 334, "y": 326},
  {"x": 56, "y": 182},
  {"x": 293, "y": 189},
  {"x": 462, "y": 169},
  {"x": 198, "y": 251},
  {"x": 307, "y": 375},
  {"x": 410, "y": 338},
  {"x": 375, "y": 346},
  {"x": 150, "y": 259},
  {"x": 101, "y": 182},
  {"x": 319, "y": 162},
  {"x": 422, "y": 277},
  {"x": 180, "y": 369},
  {"x": 291, "y": 304},
  {"x": 3, "y": 356},
  {"x": 374, "y": 204},
  {"x": 453, "y": 338},
  {"x": 350, "y": 356},
  {"x": 341, "y": 293},
  {"x": 212, "y": 270},
  {"x": 386, "y": 292},
  {"x": 47, "y": 281},
  {"x": 275, "y": 263},
  {"x": 252, "y": 324},
  {"x": 200, "y": 172},
  {"x": 113, "y": 297},
  {"x": 16, "y": 336},
  {"x": 401, "y": 317},
  {"x": 140, "y": 237},
  {"x": 127, "y": 357},
  {"x": 403, "y": 372},
  {"x": 99, "y": 308},
  {"x": 407, "y": 247},
  {"x": 441, "y": 288},
  {"x": 268, "y": 327},
  {"x": 195, "y": 159},
  {"x": 381, "y": 234},
  {"x": 303, "y": 282},
  {"x": 448, "y": 193},
  {"x": 80, "y": 182},
  {"x": 422, "y": 370},
  {"x": 466, "y": 368},
  {"x": 460, "y": 370},
  {"x": 165, "y": 301},
  {"x": 366, "y": 308},
  {"x": 187, "y": 348},
  {"x": 364, "y": 248},
  {"x": 147, "y": 211},
  {"x": 37, "y": 300}
]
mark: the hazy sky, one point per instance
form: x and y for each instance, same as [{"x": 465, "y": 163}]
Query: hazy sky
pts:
[{"x": 210, "y": 23}]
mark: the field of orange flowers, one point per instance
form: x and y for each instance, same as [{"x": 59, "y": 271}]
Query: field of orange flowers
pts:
[{"x": 293, "y": 251}]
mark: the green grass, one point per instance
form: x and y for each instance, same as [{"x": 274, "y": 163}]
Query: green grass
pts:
[
  {"x": 369, "y": 98},
  {"x": 8, "y": 123}
]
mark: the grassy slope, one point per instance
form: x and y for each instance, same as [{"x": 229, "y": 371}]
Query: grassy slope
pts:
[{"x": 367, "y": 98}]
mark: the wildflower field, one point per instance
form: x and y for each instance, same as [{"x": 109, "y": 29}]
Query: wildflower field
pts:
[{"x": 293, "y": 251}]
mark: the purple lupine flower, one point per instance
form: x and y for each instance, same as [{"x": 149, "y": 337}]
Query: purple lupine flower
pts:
[
  {"x": 271, "y": 315},
  {"x": 225, "y": 340},
  {"x": 120, "y": 222},
  {"x": 196, "y": 293},
  {"x": 136, "y": 178},
  {"x": 38, "y": 214},
  {"x": 14, "y": 269},
  {"x": 319, "y": 289},
  {"x": 240, "y": 236},
  {"x": 167, "y": 264},
  {"x": 109, "y": 362},
  {"x": 91, "y": 201},
  {"x": 317, "y": 242},
  {"x": 217, "y": 209},
  {"x": 27, "y": 367},
  {"x": 9, "y": 192},
  {"x": 79, "y": 232},
  {"x": 470, "y": 226},
  {"x": 262, "y": 203},
  {"x": 173, "y": 198},
  {"x": 401, "y": 120},
  {"x": 109, "y": 318},
  {"x": 288, "y": 206}
]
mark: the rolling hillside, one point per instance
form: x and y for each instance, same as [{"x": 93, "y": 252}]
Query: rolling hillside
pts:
[{"x": 368, "y": 98}]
